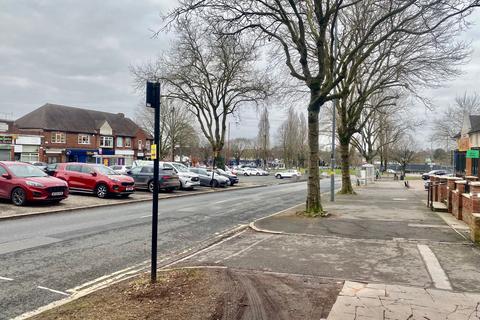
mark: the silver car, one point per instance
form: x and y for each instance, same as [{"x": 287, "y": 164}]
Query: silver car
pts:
[{"x": 206, "y": 178}]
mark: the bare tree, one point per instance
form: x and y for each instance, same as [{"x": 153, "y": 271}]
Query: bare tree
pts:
[
  {"x": 291, "y": 137},
  {"x": 303, "y": 32},
  {"x": 449, "y": 123},
  {"x": 404, "y": 152},
  {"x": 240, "y": 146},
  {"x": 175, "y": 127},
  {"x": 211, "y": 74},
  {"x": 263, "y": 137}
]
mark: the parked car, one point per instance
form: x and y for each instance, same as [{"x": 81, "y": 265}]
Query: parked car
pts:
[
  {"x": 391, "y": 171},
  {"x": 427, "y": 175},
  {"x": 121, "y": 169},
  {"x": 22, "y": 182},
  {"x": 233, "y": 179},
  {"x": 247, "y": 171},
  {"x": 263, "y": 172},
  {"x": 288, "y": 174},
  {"x": 206, "y": 178},
  {"x": 94, "y": 178},
  {"x": 143, "y": 176},
  {"x": 188, "y": 179},
  {"x": 40, "y": 165}
]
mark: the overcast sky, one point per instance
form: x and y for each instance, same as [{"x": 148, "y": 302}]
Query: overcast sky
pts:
[{"x": 77, "y": 53}]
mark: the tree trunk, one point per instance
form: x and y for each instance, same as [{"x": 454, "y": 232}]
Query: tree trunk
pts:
[
  {"x": 345, "y": 159},
  {"x": 313, "y": 204}
]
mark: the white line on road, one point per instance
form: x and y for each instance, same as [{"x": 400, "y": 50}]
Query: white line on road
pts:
[
  {"x": 243, "y": 250},
  {"x": 418, "y": 225},
  {"x": 54, "y": 291},
  {"x": 439, "y": 277},
  {"x": 6, "y": 279}
]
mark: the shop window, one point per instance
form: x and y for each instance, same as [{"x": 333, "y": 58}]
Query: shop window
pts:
[
  {"x": 106, "y": 142},
  {"x": 475, "y": 167},
  {"x": 58, "y": 137},
  {"x": 83, "y": 139},
  {"x": 128, "y": 142},
  {"x": 459, "y": 162},
  {"x": 119, "y": 142},
  {"x": 28, "y": 157}
]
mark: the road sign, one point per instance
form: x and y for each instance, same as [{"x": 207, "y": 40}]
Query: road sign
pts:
[
  {"x": 474, "y": 154},
  {"x": 153, "y": 151}
]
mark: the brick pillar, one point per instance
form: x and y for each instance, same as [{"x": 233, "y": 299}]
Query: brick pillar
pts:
[
  {"x": 442, "y": 189},
  {"x": 434, "y": 189},
  {"x": 457, "y": 205},
  {"x": 475, "y": 227},
  {"x": 450, "y": 189},
  {"x": 471, "y": 178},
  {"x": 468, "y": 166}
]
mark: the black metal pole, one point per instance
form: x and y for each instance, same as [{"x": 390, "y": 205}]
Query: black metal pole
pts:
[{"x": 155, "y": 184}]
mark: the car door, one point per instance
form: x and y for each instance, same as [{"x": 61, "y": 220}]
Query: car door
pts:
[
  {"x": 135, "y": 174},
  {"x": 5, "y": 184},
  {"x": 86, "y": 177},
  {"x": 145, "y": 175},
  {"x": 72, "y": 176}
]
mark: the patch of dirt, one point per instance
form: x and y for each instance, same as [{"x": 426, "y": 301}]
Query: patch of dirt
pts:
[{"x": 210, "y": 294}]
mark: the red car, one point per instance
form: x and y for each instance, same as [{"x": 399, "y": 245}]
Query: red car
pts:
[
  {"x": 94, "y": 178},
  {"x": 23, "y": 182}
]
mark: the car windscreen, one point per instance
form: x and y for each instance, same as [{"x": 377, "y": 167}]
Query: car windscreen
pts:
[
  {"x": 105, "y": 170},
  {"x": 26, "y": 171},
  {"x": 180, "y": 167}
]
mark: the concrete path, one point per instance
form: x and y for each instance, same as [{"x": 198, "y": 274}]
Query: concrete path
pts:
[{"x": 384, "y": 237}]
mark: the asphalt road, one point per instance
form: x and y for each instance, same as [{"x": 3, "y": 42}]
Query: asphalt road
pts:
[{"x": 42, "y": 257}]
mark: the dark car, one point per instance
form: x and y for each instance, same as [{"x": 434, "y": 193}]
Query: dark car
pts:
[
  {"x": 427, "y": 175},
  {"x": 23, "y": 182},
  {"x": 206, "y": 178},
  {"x": 94, "y": 178},
  {"x": 143, "y": 175},
  {"x": 233, "y": 179}
]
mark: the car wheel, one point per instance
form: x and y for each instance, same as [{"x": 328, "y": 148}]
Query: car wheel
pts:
[
  {"x": 258, "y": 174},
  {"x": 278, "y": 176},
  {"x": 245, "y": 174},
  {"x": 101, "y": 191},
  {"x": 19, "y": 197},
  {"x": 214, "y": 183},
  {"x": 150, "y": 186},
  {"x": 229, "y": 183}
]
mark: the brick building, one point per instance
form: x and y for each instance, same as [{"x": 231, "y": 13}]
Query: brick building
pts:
[
  {"x": 467, "y": 139},
  {"x": 56, "y": 133}
]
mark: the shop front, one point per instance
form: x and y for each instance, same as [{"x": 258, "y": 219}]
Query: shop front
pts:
[
  {"x": 54, "y": 155},
  {"x": 124, "y": 157},
  {"x": 6, "y": 142},
  {"x": 81, "y": 155},
  {"x": 27, "y": 148}
]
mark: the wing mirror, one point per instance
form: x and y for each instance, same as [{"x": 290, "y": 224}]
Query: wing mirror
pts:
[
  {"x": 6, "y": 176},
  {"x": 129, "y": 172},
  {"x": 93, "y": 173}
]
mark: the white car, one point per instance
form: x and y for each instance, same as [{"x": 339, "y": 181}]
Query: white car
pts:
[
  {"x": 288, "y": 174},
  {"x": 121, "y": 169},
  {"x": 246, "y": 171}
]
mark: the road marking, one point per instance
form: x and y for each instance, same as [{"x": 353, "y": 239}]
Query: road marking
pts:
[
  {"x": 243, "y": 250},
  {"x": 439, "y": 277},
  {"x": 399, "y": 199},
  {"x": 147, "y": 216},
  {"x": 54, "y": 291},
  {"x": 222, "y": 201},
  {"x": 6, "y": 279},
  {"x": 418, "y": 225}
]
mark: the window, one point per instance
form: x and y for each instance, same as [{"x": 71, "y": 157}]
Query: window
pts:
[
  {"x": 87, "y": 169},
  {"x": 83, "y": 139},
  {"x": 147, "y": 170},
  {"x": 73, "y": 167},
  {"x": 147, "y": 145},
  {"x": 128, "y": 142},
  {"x": 119, "y": 142},
  {"x": 140, "y": 145},
  {"x": 106, "y": 142},
  {"x": 136, "y": 170},
  {"x": 58, "y": 137},
  {"x": 2, "y": 171},
  {"x": 29, "y": 156}
]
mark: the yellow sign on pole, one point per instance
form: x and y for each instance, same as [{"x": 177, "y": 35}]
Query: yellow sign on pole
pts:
[{"x": 153, "y": 151}]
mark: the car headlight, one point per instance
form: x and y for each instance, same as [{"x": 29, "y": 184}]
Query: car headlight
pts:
[
  {"x": 115, "y": 179},
  {"x": 35, "y": 184}
]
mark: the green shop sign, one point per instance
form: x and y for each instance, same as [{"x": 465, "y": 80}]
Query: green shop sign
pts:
[
  {"x": 473, "y": 154},
  {"x": 6, "y": 139}
]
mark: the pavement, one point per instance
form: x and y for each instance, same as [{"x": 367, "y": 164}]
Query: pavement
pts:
[
  {"x": 399, "y": 260},
  {"x": 45, "y": 258},
  {"x": 77, "y": 201}
]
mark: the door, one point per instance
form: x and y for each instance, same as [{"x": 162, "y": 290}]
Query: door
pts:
[
  {"x": 72, "y": 176},
  {"x": 87, "y": 180},
  {"x": 145, "y": 175},
  {"x": 135, "y": 174},
  {"x": 5, "y": 184}
]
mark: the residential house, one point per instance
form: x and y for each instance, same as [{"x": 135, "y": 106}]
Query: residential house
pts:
[
  {"x": 57, "y": 133},
  {"x": 468, "y": 139}
]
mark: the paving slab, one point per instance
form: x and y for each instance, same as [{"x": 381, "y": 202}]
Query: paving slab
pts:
[{"x": 383, "y": 301}]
